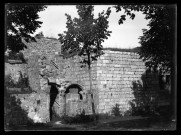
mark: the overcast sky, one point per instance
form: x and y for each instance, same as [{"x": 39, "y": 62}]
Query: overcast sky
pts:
[{"x": 123, "y": 36}]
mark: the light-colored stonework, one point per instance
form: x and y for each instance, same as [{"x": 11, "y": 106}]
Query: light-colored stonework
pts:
[
  {"x": 116, "y": 72},
  {"x": 113, "y": 76}
]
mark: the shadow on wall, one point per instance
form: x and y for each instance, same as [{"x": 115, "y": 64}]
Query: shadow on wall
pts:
[
  {"x": 13, "y": 113},
  {"x": 15, "y": 56},
  {"x": 147, "y": 95}
]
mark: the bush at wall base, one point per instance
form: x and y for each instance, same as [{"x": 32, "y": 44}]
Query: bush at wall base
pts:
[{"x": 13, "y": 113}]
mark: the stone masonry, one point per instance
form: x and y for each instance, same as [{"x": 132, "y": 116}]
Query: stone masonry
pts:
[
  {"x": 112, "y": 78},
  {"x": 36, "y": 106},
  {"x": 116, "y": 71}
]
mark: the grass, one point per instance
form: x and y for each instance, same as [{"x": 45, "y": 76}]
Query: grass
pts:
[
  {"x": 127, "y": 123},
  {"x": 149, "y": 123}
]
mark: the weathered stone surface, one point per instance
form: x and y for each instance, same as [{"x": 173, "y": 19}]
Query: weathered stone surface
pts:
[
  {"x": 112, "y": 77},
  {"x": 118, "y": 78},
  {"x": 36, "y": 105},
  {"x": 59, "y": 105},
  {"x": 14, "y": 70}
]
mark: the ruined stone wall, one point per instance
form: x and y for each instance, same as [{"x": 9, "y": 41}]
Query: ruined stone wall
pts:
[
  {"x": 31, "y": 69},
  {"x": 36, "y": 106},
  {"x": 14, "y": 69},
  {"x": 33, "y": 72},
  {"x": 52, "y": 67},
  {"x": 116, "y": 73},
  {"x": 43, "y": 46},
  {"x": 113, "y": 76},
  {"x": 39, "y": 55}
]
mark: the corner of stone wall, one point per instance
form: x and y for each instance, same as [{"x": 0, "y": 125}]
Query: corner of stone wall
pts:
[{"x": 115, "y": 73}]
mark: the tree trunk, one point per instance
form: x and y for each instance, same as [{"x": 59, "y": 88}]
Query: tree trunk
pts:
[
  {"x": 91, "y": 90},
  {"x": 92, "y": 97}
]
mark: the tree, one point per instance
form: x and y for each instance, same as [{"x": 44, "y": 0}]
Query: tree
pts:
[
  {"x": 85, "y": 36},
  {"x": 21, "y": 21},
  {"x": 158, "y": 43},
  {"x": 39, "y": 35}
]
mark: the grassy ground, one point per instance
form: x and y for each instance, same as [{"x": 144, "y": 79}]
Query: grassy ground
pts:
[
  {"x": 137, "y": 123},
  {"x": 128, "y": 123}
]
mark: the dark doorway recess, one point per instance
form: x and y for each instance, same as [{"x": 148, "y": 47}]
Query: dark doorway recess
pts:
[{"x": 53, "y": 95}]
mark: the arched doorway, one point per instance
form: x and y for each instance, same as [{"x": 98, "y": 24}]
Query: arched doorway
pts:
[
  {"x": 66, "y": 103},
  {"x": 73, "y": 99},
  {"x": 75, "y": 89}
]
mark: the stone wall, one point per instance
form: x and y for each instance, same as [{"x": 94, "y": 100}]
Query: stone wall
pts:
[
  {"x": 116, "y": 74},
  {"x": 39, "y": 55},
  {"x": 42, "y": 46},
  {"x": 36, "y": 106},
  {"x": 31, "y": 69},
  {"x": 114, "y": 77},
  {"x": 14, "y": 69},
  {"x": 52, "y": 69},
  {"x": 76, "y": 74},
  {"x": 33, "y": 72},
  {"x": 76, "y": 106}
]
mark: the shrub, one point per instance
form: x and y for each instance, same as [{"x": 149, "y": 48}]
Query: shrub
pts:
[
  {"x": 103, "y": 116},
  {"x": 143, "y": 109},
  {"x": 79, "y": 118},
  {"x": 116, "y": 110},
  {"x": 128, "y": 113},
  {"x": 15, "y": 56},
  {"x": 8, "y": 81},
  {"x": 23, "y": 81},
  {"x": 143, "y": 103}
]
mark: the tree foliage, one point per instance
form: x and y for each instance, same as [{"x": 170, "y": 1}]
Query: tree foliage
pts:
[
  {"x": 157, "y": 42},
  {"x": 21, "y": 21},
  {"x": 86, "y": 34}
]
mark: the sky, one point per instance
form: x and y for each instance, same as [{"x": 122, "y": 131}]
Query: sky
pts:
[{"x": 123, "y": 36}]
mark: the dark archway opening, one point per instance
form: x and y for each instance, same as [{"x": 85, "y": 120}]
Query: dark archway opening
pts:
[
  {"x": 53, "y": 95},
  {"x": 76, "y": 89}
]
